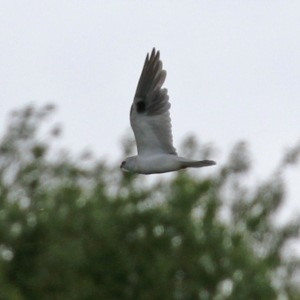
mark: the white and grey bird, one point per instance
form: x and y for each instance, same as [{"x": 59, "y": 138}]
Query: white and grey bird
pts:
[{"x": 151, "y": 124}]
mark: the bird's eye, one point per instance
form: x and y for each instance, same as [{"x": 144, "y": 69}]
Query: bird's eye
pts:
[{"x": 122, "y": 164}]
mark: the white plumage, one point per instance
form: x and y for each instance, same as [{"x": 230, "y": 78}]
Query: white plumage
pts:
[{"x": 151, "y": 124}]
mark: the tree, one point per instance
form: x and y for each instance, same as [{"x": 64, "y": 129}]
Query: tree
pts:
[{"x": 76, "y": 230}]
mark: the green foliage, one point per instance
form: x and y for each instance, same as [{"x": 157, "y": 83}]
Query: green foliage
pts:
[{"x": 71, "y": 231}]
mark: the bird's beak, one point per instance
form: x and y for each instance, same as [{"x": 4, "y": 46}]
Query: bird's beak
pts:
[{"x": 122, "y": 167}]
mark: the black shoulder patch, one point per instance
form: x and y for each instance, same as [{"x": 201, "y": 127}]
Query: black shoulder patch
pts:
[{"x": 141, "y": 106}]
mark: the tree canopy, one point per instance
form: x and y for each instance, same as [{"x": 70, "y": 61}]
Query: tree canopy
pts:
[{"x": 79, "y": 228}]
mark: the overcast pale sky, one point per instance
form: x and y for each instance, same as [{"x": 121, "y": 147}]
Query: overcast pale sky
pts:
[{"x": 233, "y": 70}]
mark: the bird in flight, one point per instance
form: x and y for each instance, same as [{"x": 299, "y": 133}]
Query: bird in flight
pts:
[{"x": 151, "y": 124}]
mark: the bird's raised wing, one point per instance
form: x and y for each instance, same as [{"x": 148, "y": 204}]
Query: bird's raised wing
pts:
[{"x": 149, "y": 114}]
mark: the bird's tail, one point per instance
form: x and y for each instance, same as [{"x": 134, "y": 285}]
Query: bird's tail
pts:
[{"x": 188, "y": 163}]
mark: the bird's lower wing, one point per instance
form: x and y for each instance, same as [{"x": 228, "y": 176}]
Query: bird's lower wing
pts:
[{"x": 153, "y": 134}]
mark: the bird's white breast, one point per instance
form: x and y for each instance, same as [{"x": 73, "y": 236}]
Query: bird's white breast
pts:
[{"x": 158, "y": 163}]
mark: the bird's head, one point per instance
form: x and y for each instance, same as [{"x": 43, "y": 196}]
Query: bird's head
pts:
[{"x": 129, "y": 164}]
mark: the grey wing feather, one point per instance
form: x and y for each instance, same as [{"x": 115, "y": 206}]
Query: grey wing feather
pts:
[{"x": 149, "y": 114}]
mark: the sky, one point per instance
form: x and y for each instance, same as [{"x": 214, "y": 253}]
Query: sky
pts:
[{"x": 233, "y": 71}]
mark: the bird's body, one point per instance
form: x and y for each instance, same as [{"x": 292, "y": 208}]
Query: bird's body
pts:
[
  {"x": 151, "y": 124},
  {"x": 162, "y": 163}
]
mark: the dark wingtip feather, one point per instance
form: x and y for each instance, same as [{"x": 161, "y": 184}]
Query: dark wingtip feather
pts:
[{"x": 154, "y": 56}]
